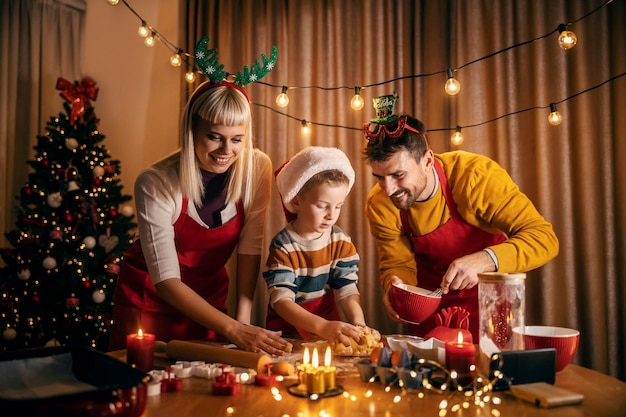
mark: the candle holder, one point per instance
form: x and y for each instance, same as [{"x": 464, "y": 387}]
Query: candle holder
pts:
[
  {"x": 299, "y": 391},
  {"x": 315, "y": 381}
]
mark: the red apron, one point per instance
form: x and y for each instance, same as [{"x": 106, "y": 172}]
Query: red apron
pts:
[
  {"x": 436, "y": 250},
  {"x": 202, "y": 255},
  {"x": 324, "y": 306}
]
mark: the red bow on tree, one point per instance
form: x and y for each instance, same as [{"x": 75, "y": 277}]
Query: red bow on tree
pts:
[{"x": 78, "y": 94}]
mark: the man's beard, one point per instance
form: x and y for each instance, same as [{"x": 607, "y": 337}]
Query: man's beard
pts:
[{"x": 405, "y": 202}]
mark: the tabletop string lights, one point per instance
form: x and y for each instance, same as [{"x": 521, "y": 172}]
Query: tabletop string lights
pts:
[{"x": 566, "y": 39}]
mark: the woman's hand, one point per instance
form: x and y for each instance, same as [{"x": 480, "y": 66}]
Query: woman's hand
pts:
[{"x": 257, "y": 339}]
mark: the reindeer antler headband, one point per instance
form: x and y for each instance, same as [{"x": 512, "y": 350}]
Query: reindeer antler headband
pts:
[{"x": 207, "y": 61}]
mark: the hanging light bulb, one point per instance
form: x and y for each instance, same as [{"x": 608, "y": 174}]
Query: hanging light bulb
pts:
[
  {"x": 453, "y": 86},
  {"x": 176, "y": 60},
  {"x": 457, "y": 138},
  {"x": 190, "y": 76},
  {"x": 113, "y": 2},
  {"x": 554, "y": 118},
  {"x": 282, "y": 100},
  {"x": 143, "y": 30},
  {"x": 149, "y": 41},
  {"x": 567, "y": 38},
  {"x": 357, "y": 101},
  {"x": 306, "y": 128}
]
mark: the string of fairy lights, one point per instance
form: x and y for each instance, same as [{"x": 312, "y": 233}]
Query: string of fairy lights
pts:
[{"x": 566, "y": 39}]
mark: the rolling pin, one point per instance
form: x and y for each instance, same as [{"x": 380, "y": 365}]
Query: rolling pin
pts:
[{"x": 179, "y": 350}]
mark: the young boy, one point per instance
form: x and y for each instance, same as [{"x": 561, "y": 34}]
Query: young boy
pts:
[{"x": 311, "y": 270}]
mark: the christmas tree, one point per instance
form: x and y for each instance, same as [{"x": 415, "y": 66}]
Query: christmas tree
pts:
[{"x": 72, "y": 229}]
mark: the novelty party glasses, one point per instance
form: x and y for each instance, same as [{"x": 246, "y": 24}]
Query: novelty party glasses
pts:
[{"x": 373, "y": 130}]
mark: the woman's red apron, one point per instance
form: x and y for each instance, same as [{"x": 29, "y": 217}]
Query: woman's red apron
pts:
[
  {"x": 436, "y": 250},
  {"x": 202, "y": 255},
  {"x": 324, "y": 306}
]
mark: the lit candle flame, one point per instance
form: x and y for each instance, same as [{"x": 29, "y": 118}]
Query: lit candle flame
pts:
[
  {"x": 460, "y": 338},
  {"x": 327, "y": 356},
  {"x": 139, "y": 333},
  {"x": 305, "y": 358},
  {"x": 315, "y": 360}
]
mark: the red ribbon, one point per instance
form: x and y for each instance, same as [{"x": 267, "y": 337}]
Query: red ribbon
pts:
[{"x": 78, "y": 94}]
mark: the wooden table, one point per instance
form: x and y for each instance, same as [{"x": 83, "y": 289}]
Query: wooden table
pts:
[{"x": 604, "y": 397}]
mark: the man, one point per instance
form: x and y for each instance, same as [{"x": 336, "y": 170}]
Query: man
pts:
[{"x": 441, "y": 219}]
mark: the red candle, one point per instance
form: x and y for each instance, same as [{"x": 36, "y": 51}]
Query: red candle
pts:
[
  {"x": 460, "y": 356},
  {"x": 140, "y": 350}
]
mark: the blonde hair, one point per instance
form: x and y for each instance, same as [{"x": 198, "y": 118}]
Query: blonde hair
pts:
[{"x": 223, "y": 105}]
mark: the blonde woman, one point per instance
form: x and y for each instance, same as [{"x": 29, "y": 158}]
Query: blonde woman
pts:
[{"x": 194, "y": 208}]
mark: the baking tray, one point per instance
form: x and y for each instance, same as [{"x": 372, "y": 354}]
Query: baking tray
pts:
[{"x": 69, "y": 381}]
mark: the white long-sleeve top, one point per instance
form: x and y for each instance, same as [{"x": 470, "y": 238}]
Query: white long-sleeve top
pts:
[{"x": 159, "y": 200}]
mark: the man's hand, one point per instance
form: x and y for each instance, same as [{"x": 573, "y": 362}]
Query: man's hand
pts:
[
  {"x": 393, "y": 315},
  {"x": 462, "y": 274}
]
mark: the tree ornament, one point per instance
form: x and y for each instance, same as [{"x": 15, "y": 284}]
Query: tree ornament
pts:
[
  {"x": 72, "y": 302},
  {"x": 98, "y": 296},
  {"x": 79, "y": 95},
  {"x": 67, "y": 217},
  {"x": 112, "y": 269},
  {"x": 96, "y": 182},
  {"x": 109, "y": 169},
  {"x": 52, "y": 343},
  {"x": 56, "y": 234},
  {"x": 23, "y": 274},
  {"x": 26, "y": 191},
  {"x": 54, "y": 200},
  {"x": 90, "y": 242},
  {"x": 49, "y": 263},
  {"x": 112, "y": 212},
  {"x": 9, "y": 334},
  {"x": 72, "y": 186},
  {"x": 98, "y": 171},
  {"x": 108, "y": 242},
  {"x": 127, "y": 211},
  {"x": 71, "y": 143}
]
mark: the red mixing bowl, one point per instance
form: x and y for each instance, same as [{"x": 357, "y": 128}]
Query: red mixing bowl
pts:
[{"x": 413, "y": 304}]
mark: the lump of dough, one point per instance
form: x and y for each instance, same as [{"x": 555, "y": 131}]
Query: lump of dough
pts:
[{"x": 369, "y": 341}]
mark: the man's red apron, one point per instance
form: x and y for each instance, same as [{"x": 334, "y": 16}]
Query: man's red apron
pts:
[
  {"x": 324, "y": 306},
  {"x": 436, "y": 250},
  {"x": 202, "y": 255}
]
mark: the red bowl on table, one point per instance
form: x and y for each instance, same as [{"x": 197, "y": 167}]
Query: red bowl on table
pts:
[
  {"x": 564, "y": 340},
  {"x": 413, "y": 304}
]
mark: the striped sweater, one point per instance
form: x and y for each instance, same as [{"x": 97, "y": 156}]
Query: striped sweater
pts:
[{"x": 303, "y": 270}]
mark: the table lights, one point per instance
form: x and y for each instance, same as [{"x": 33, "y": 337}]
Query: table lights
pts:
[
  {"x": 140, "y": 350},
  {"x": 460, "y": 357}
]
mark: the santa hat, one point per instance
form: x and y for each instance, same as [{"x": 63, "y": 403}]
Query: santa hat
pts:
[{"x": 292, "y": 175}]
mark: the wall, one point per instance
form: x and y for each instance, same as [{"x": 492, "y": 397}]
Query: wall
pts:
[{"x": 139, "y": 97}]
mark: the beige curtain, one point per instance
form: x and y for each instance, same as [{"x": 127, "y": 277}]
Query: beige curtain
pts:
[
  {"x": 573, "y": 172},
  {"x": 40, "y": 40}
]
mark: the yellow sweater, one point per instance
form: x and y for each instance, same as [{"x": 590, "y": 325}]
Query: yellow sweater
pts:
[{"x": 485, "y": 196}]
